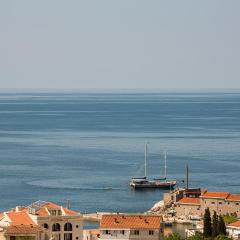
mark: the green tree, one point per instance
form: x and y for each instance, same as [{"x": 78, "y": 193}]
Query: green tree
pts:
[
  {"x": 174, "y": 236},
  {"x": 221, "y": 226},
  {"x": 207, "y": 224},
  {"x": 215, "y": 225},
  {"x": 197, "y": 236},
  {"x": 222, "y": 237}
]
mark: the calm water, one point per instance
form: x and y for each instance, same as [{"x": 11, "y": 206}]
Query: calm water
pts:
[{"x": 85, "y": 147}]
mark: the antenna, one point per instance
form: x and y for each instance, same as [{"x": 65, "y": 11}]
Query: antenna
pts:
[{"x": 68, "y": 203}]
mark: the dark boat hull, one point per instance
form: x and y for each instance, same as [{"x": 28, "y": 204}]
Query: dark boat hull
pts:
[{"x": 160, "y": 185}]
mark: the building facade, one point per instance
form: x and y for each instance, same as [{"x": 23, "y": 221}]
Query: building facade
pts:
[
  {"x": 134, "y": 227},
  {"x": 52, "y": 221},
  {"x": 222, "y": 202}
]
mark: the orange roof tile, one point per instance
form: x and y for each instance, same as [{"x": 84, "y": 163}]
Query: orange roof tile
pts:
[
  {"x": 234, "y": 197},
  {"x": 130, "y": 221},
  {"x": 70, "y": 212},
  {"x": 234, "y": 224},
  {"x": 187, "y": 200},
  {"x": 42, "y": 212},
  {"x": 18, "y": 218},
  {"x": 222, "y": 195},
  {"x": 1, "y": 215},
  {"x": 22, "y": 229},
  {"x": 51, "y": 205}
]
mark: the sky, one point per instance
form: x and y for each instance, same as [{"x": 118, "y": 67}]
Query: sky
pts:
[{"x": 124, "y": 44}]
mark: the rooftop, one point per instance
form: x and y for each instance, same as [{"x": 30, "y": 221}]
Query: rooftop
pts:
[
  {"x": 18, "y": 218},
  {"x": 130, "y": 221},
  {"x": 234, "y": 224},
  {"x": 22, "y": 229},
  {"x": 234, "y": 197},
  {"x": 222, "y": 195},
  {"x": 187, "y": 200}
]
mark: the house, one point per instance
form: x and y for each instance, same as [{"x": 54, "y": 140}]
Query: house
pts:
[
  {"x": 41, "y": 221},
  {"x": 189, "y": 207},
  {"x": 121, "y": 226},
  {"x": 233, "y": 230}
]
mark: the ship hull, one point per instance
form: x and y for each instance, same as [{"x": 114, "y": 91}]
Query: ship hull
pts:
[{"x": 160, "y": 185}]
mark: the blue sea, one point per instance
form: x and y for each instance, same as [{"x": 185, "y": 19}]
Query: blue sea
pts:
[{"x": 85, "y": 147}]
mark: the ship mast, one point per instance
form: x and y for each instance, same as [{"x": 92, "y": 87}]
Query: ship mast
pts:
[
  {"x": 187, "y": 177},
  {"x": 165, "y": 165},
  {"x": 145, "y": 164}
]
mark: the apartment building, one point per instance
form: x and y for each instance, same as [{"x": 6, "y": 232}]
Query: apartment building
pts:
[
  {"x": 123, "y": 227},
  {"x": 221, "y": 202}
]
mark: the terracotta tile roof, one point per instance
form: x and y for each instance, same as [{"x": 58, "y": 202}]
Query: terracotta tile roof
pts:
[
  {"x": 234, "y": 197},
  {"x": 222, "y": 195},
  {"x": 22, "y": 229},
  {"x": 130, "y": 221},
  {"x": 51, "y": 206},
  {"x": 18, "y": 218},
  {"x": 70, "y": 212},
  {"x": 187, "y": 200},
  {"x": 1, "y": 215},
  {"x": 234, "y": 224},
  {"x": 42, "y": 212}
]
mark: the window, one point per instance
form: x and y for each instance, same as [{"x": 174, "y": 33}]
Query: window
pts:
[
  {"x": 220, "y": 202},
  {"x": 122, "y": 232},
  {"x": 76, "y": 226},
  {"x": 55, "y": 212},
  {"x": 237, "y": 203},
  {"x": 151, "y": 232},
  {"x": 136, "y": 232},
  {"x": 213, "y": 202},
  {"x": 68, "y": 227},
  {"x": 67, "y": 236},
  {"x": 106, "y": 232},
  {"x": 56, "y": 227},
  {"x": 45, "y": 225}
]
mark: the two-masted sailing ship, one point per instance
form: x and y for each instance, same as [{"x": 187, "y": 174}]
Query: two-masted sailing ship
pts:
[{"x": 144, "y": 182}]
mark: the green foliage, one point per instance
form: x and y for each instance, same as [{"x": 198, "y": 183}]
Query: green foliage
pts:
[
  {"x": 174, "y": 236},
  {"x": 229, "y": 218},
  {"x": 198, "y": 236},
  {"x": 222, "y": 237},
  {"x": 221, "y": 226},
  {"x": 215, "y": 225},
  {"x": 207, "y": 224}
]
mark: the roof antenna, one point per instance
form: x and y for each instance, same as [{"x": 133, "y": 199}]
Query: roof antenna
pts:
[{"x": 68, "y": 203}]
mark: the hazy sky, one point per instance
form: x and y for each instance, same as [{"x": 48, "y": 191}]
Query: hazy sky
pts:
[{"x": 119, "y": 44}]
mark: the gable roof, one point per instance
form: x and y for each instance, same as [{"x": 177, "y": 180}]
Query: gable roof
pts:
[
  {"x": 130, "y": 221},
  {"x": 70, "y": 212},
  {"x": 234, "y": 197},
  {"x": 22, "y": 229},
  {"x": 190, "y": 201},
  {"x": 18, "y": 218},
  {"x": 222, "y": 195},
  {"x": 42, "y": 209},
  {"x": 234, "y": 224}
]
